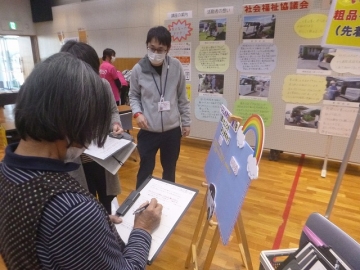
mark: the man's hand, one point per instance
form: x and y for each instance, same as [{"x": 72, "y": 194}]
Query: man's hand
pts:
[
  {"x": 149, "y": 219},
  {"x": 142, "y": 122},
  {"x": 117, "y": 129},
  {"x": 185, "y": 131}
]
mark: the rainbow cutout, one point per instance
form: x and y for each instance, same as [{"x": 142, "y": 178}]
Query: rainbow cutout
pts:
[{"x": 256, "y": 124}]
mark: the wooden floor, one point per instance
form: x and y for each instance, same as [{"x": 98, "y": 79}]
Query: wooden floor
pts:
[{"x": 263, "y": 208}]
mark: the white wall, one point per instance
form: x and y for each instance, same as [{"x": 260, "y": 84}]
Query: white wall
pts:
[
  {"x": 18, "y": 11},
  {"x": 119, "y": 24}
]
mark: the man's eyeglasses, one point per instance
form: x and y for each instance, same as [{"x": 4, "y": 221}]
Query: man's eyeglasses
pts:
[{"x": 159, "y": 51}]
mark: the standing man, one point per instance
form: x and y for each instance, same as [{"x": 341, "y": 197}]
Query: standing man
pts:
[
  {"x": 160, "y": 106},
  {"x": 109, "y": 72}
]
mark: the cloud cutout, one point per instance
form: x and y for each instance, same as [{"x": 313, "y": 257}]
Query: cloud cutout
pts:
[
  {"x": 252, "y": 167},
  {"x": 240, "y": 138}
]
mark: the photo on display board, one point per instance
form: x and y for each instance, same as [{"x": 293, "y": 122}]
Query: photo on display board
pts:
[
  {"x": 315, "y": 58},
  {"x": 254, "y": 86},
  {"x": 212, "y": 30},
  {"x": 258, "y": 27},
  {"x": 342, "y": 89},
  {"x": 303, "y": 116},
  {"x": 211, "y": 83},
  {"x": 210, "y": 201}
]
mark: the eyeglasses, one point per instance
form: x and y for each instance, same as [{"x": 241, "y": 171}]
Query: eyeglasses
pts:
[{"x": 159, "y": 51}]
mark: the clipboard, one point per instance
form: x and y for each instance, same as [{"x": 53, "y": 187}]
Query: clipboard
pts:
[
  {"x": 114, "y": 153},
  {"x": 111, "y": 146},
  {"x": 129, "y": 201},
  {"x": 175, "y": 199}
]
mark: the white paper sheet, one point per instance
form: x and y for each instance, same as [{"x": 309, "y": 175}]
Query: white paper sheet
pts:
[
  {"x": 174, "y": 199},
  {"x": 111, "y": 146},
  {"x": 114, "y": 205}
]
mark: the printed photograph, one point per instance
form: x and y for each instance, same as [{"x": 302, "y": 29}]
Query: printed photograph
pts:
[
  {"x": 302, "y": 116},
  {"x": 210, "y": 201},
  {"x": 212, "y": 30},
  {"x": 259, "y": 27},
  {"x": 314, "y": 57},
  {"x": 211, "y": 83},
  {"x": 342, "y": 89},
  {"x": 254, "y": 86}
]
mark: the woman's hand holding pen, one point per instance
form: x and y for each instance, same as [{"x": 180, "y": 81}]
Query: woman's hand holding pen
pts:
[{"x": 149, "y": 218}]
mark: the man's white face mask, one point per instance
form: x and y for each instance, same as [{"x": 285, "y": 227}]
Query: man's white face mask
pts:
[
  {"x": 156, "y": 58},
  {"x": 113, "y": 59}
]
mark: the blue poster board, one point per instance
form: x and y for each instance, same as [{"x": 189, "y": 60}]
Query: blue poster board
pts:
[{"x": 230, "y": 166}]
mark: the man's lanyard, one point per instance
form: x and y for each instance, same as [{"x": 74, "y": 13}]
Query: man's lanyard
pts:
[{"x": 161, "y": 93}]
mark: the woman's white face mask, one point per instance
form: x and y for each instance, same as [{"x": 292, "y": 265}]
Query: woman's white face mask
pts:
[
  {"x": 113, "y": 59},
  {"x": 73, "y": 153},
  {"x": 156, "y": 58}
]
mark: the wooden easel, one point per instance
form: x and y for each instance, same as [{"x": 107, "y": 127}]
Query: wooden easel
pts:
[{"x": 197, "y": 243}]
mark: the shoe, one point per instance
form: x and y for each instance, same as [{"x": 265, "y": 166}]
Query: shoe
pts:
[
  {"x": 271, "y": 155},
  {"x": 276, "y": 155}
]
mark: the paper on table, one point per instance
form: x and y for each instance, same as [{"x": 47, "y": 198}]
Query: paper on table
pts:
[
  {"x": 114, "y": 162},
  {"x": 174, "y": 199},
  {"x": 111, "y": 146},
  {"x": 114, "y": 205}
]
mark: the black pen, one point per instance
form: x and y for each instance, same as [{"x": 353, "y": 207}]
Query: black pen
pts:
[{"x": 139, "y": 210}]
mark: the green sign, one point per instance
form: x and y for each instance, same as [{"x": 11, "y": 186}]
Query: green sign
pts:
[
  {"x": 246, "y": 107},
  {"x": 12, "y": 25}
]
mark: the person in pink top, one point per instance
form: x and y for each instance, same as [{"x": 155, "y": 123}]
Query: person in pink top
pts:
[
  {"x": 122, "y": 79},
  {"x": 109, "y": 72}
]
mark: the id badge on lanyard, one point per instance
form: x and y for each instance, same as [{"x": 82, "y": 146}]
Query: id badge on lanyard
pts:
[{"x": 163, "y": 105}]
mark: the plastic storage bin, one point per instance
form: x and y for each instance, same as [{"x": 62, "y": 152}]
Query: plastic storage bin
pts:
[{"x": 271, "y": 259}]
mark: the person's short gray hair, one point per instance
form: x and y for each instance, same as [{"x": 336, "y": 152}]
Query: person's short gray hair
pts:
[{"x": 63, "y": 98}]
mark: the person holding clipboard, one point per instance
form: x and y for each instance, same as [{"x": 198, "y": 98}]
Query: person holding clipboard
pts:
[
  {"x": 48, "y": 220},
  {"x": 100, "y": 182}
]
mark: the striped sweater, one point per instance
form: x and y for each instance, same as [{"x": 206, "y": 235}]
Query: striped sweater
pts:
[{"x": 73, "y": 231}]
